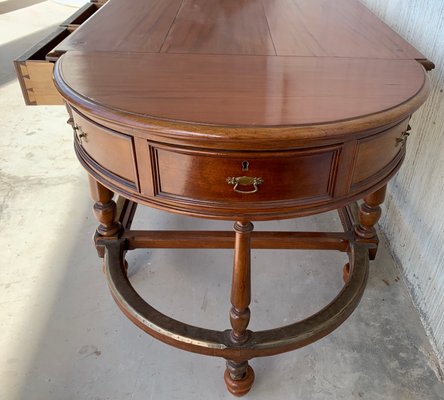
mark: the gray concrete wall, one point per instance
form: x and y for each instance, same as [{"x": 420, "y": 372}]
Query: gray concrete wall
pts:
[{"x": 413, "y": 221}]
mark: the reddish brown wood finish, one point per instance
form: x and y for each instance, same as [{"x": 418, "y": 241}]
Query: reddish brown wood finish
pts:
[
  {"x": 104, "y": 208},
  {"x": 226, "y": 240},
  {"x": 219, "y": 343},
  {"x": 228, "y": 91},
  {"x": 340, "y": 28},
  {"x": 343, "y": 28},
  {"x": 242, "y": 110},
  {"x": 239, "y": 378},
  {"x": 376, "y": 152},
  {"x": 238, "y": 27},
  {"x": 346, "y": 273},
  {"x": 196, "y": 181},
  {"x": 285, "y": 175},
  {"x": 243, "y": 21},
  {"x": 137, "y": 25},
  {"x": 126, "y": 210},
  {"x": 103, "y": 145},
  {"x": 368, "y": 215},
  {"x": 241, "y": 284}
]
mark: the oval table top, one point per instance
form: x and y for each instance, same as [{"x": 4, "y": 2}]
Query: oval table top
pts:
[
  {"x": 258, "y": 67},
  {"x": 228, "y": 90}
]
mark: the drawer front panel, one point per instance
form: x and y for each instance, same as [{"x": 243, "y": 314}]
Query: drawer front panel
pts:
[
  {"x": 377, "y": 152},
  {"x": 283, "y": 176},
  {"x": 111, "y": 150}
]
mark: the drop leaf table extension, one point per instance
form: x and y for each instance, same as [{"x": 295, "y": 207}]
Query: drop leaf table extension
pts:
[{"x": 242, "y": 110}]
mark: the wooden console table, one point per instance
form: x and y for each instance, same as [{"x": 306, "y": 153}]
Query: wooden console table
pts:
[{"x": 241, "y": 110}]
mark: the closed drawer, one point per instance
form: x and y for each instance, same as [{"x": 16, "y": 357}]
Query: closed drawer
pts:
[
  {"x": 110, "y": 153},
  {"x": 181, "y": 174},
  {"x": 377, "y": 153},
  {"x": 34, "y": 68}
]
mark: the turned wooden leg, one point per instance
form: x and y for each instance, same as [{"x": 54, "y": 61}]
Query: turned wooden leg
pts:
[
  {"x": 239, "y": 376},
  {"x": 105, "y": 212},
  {"x": 368, "y": 216}
]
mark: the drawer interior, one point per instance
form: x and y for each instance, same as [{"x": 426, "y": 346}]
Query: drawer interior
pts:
[{"x": 34, "y": 67}]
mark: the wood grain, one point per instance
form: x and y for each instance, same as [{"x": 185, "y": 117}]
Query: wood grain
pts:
[
  {"x": 226, "y": 240},
  {"x": 286, "y": 175},
  {"x": 376, "y": 152},
  {"x": 220, "y": 27},
  {"x": 137, "y": 25},
  {"x": 241, "y": 90},
  {"x": 102, "y": 145},
  {"x": 340, "y": 28}
]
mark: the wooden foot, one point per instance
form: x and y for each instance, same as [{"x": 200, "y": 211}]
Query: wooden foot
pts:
[
  {"x": 239, "y": 378},
  {"x": 368, "y": 216}
]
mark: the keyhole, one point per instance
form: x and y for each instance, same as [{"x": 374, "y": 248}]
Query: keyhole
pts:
[{"x": 245, "y": 165}]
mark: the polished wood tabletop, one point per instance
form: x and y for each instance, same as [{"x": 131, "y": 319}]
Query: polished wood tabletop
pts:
[
  {"x": 339, "y": 28},
  {"x": 247, "y": 63},
  {"x": 242, "y": 90}
]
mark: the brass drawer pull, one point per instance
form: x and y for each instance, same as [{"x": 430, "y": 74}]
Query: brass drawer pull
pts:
[
  {"x": 403, "y": 139},
  {"x": 245, "y": 181},
  {"x": 80, "y": 134}
]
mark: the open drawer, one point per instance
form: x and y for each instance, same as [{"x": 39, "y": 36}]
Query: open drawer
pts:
[{"x": 34, "y": 68}]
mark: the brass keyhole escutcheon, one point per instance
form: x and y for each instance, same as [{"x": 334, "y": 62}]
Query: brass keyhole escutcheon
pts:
[{"x": 245, "y": 165}]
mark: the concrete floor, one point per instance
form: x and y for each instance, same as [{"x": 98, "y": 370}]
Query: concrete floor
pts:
[{"x": 62, "y": 337}]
